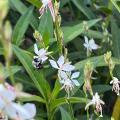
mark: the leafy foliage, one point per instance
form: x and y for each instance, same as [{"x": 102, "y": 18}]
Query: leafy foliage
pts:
[{"x": 98, "y": 20}]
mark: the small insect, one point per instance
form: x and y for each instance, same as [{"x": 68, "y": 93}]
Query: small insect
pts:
[{"x": 37, "y": 64}]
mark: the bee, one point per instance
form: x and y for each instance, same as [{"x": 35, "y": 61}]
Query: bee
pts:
[{"x": 37, "y": 63}]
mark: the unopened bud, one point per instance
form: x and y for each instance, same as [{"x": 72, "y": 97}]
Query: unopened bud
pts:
[
  {"x": 7, "y": 31},
  {"x": 88, "y": 70},
  {"x": 56, "y": 7},
  {"x": 85, "y": 26},
  {"x": 87, "y": 77},
  {"x": 109, "y": 61},
  {"x": 37, "y": 36},
  {"x": 107, "y": 57},
  {"x": 3, "y": 9}
]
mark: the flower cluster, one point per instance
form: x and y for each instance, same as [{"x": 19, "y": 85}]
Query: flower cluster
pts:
[
  {"x": 65, "y": 75},
  {"x": 90, "y": 45},
  {"x": 116, "y": 86},
  {"x": 45, "y": 5},
  {"x": 14, "y": 110},
  {"x": 97, "y": 102}
]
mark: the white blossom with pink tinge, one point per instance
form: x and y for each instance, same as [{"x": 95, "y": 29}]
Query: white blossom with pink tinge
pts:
[
  {"x": 116, "y": 86},
  {"x": 14, "y": 110},
  {"x": 42, "y": 54},
  {"x": 45, "y": 5},
  {"x": 90, "y": 44},
  {"x": 97, "y": 102},
  {"x": 69, "y": 81},
  {"x": 62, "y": 66}
]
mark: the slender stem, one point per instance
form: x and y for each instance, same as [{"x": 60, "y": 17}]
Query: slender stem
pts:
[
  {"x": 10, "y": 72},
  {"x": 57, "y": 32},
  {"x": 87, "y": 109},
  {"x": 8, "y": 62},
  {"x": 48, "y": 111},
  {"x": 71, "y": 110}
]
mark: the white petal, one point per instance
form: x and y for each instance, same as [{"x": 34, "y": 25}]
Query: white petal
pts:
[
  {"x": 44, "y": 59},
  {"x": 45, "y": 2},
  {"x": 42, "y": 52},
  {"x": 31, "y": 108},
  {"x": 76, "y": 82},
  {"x": 63, "y": 75},
  {"x": 93, "y": 45},
  {"x": 61, "y": 60},
  {"x": 53, "y": 64},
  {"x": 2, "y": 103},
  {"x": 68, "y": 67},
  {"x": 9, "y": 95},
  {"x": 2, "y": 88},
  {"x": 62, "y": 81},
  {"x": 89, "y": 104},
  {"x": 86, "y": 40},
  {"x": 111, "y": 82},
  {"x": 36, "y": 49},
  {"x": 75, "y": 75},
  {"x": 16, "y": 111},
  {"x": 10, "y": 111}
]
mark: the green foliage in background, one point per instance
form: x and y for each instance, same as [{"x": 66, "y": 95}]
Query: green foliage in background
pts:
[{"x": 102, "y": 18}]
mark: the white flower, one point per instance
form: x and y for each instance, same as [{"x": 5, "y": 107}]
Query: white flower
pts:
[
  {"x": 41, "y": 54},
  {"x": 11, "y": 109},
  {"x": 20, "y": 112},
  {"x": 90, "y": 44},
  {"x": 62, "y": 65},
  {"x": 69, "y": 81},
  {"x": 6, "y": 96},
  {"x": 47, "y": 4},
  {"x": 97, "y": 102},
  {"x": 116, "y": 86}
]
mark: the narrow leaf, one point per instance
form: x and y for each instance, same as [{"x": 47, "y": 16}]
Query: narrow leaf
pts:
[{"x": 21, "y": 27}]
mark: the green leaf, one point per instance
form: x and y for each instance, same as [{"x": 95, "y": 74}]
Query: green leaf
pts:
[
  {"x": 86, "y": 11},
  {"x": 37, "y": 76},
  {"x": 94, "y": 34},
  {"x": 36, "y": 3},
  {"x": 64, "y": 114},
  {"x": 61, "y": 101},
  {"x": 21, "y": 27},
  {"x": 95, "y": 61},
  {"x": 72, "y": 32},
  {"x": 56, "y": 89},
  {"x": 116, "y": 38},
  {"x": 114, "y": 2},
  {"x": 21, "y": 8},
  {"x": 14, "y": 69},
  {"x": 32, "y": 98},
  {"x": 63, "y": 2},
  {"x": 1, "y": 51},
  {"x": 116, "y": 42},
  {"x": 46, "y": 25},
  {"x": 101, "y": 88}
]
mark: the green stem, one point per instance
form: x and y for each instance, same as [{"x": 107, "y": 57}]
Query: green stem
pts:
[
  {"x": 71, "y": 110},
  {"x": 87, "y": 109},
  {"x": 59, "y": 41},
  {"x": 10, "y": 72},
  {"x": 48, "y": 111}
]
